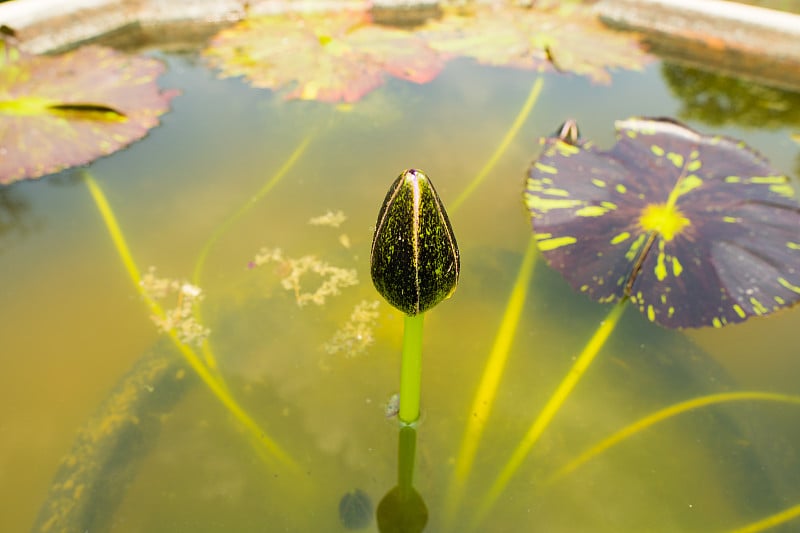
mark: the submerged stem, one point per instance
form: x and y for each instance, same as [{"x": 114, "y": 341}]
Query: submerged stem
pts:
[
  {"x": 208, "y": 354},
  {"x": 666, "y": 413},
  {"x": 552, "y": 406},
  {"x": 231, "y": 220},
  {"x": 490, "y": 380},
  {"x": 522, "y": 116},
  {"x": 192, "y": 359},
  {"x": 771, "y": 521},
  {"x": 411, "y": 369}
]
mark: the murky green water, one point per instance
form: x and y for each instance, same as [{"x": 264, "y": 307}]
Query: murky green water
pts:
[{"x": 73, "y": 324}]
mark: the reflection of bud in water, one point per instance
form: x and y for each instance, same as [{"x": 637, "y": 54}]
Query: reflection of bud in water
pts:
[
  {"x": 415, "y": 259},
  {"x": 355, "y": 509}
]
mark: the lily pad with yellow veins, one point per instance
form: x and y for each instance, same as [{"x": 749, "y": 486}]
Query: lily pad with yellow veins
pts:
[
  {"x": 67, "y": 110},
  {"x": 697, "y": 230}
]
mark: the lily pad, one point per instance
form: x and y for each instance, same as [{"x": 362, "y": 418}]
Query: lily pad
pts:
[
  {"x": 696, "y": 230},
  {"x": 564, "y": 39},
  {"x": 330, "y": 57},
  {"x": 67, "y": 110}
]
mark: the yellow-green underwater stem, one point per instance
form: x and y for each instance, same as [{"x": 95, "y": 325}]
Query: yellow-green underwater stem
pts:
[
  {"x": 522, "y": 116},
  {"x": 411, "y": 369},
  {"x": 771, "y": 521},
  {"x": 550, "y": 409},
  {"x": 258, "y": 435},
  {"x": 666, "y": 413},
  {"x": 487, "y": 388},
  {"x": 208, "y": 355},
  {"x": 673, "y": 410}
]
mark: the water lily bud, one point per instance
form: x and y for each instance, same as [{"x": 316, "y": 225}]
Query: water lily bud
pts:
[{"x": 414, "y": 259}]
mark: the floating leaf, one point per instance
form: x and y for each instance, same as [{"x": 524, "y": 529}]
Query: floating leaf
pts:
[
  {"x": 325, "y": 56},
  {"x": 61, "y": 111},
  {"x": 568, "y": 39},
  {"x": 697, "y": 230}
]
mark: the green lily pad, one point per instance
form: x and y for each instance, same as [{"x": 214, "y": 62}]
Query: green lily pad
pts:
[
  {"x": 67, "y": 110},
  {"x": 564, "y": 39},
  {"x": 331, "y": 57},
  {"x": 696, "y": 230}
]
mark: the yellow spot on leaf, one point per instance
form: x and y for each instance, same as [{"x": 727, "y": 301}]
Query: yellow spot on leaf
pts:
[
  {"x": 739, "y": 311},
  {"x": 657, "y": 150},
  {"x": 598, "y": 183},
  {"x": 731, "y": 220},
  {"x": 620, "y": 188},
  {"x": 630, "y": 255},
  {"x": 689, "y": 183},
  {"x": 758, "y": 307},
  {"x": 566, "y": 149},
  {"x": 677, "y": 159},
  {"x": 793, "y": 245},
  {"x": 786, "y": 283},
  {"x": 670, "y": 311},
  {"x": 677, "y": 267},
  {"x": 551, "y": 244},
  {"x": 716, "y": 322},
  {"x": 651, "y": 313},
  {"x": 591, "y": 211},
  {"x": 545, "y": 168},
  {"x": 556, "y": 192},
  {"x": 622, "y": 237},
  {"x": 693, "y": 166},
  {"x": 785, "y": 190},
  {"x": 768, "y": 179},
  {"x": 661, "y": 269},
  {"x": 733, "y": 179},
  {"x": 546, "y": 204}
]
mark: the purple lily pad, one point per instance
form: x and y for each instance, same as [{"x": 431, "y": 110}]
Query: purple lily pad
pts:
[{"x": 61, "y": 111}]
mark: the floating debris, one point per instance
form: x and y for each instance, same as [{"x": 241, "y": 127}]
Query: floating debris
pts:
[
  {"x": 392, "y": 407},
  {"x": 179, "y": 319},
  {"x": 293, "y": 270},
  {"x": 330, "y": 218},
  {"x": 355, "y": 336}
]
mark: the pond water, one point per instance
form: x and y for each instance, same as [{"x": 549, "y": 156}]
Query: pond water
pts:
[{"x": 73, "y": 324}]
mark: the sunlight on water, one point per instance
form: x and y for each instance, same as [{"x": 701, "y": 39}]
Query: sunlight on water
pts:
[{"x": 73, "y": 325}]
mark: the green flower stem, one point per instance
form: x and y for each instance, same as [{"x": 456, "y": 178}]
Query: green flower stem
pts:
[
  {"x": 411, "y": 369},
  {"x": 665, "y": 414},
  {"x": 490, "y": 380},
  {"x": 550, "y": 409},
  {"x": 522, "y": 116},
  {"x": 259, "y": 436}
]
